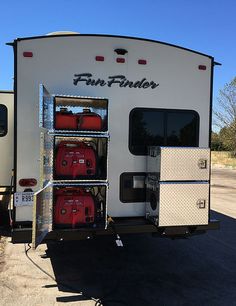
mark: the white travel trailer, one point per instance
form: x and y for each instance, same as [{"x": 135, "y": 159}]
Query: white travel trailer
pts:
[{"x": 149, "y": 96}]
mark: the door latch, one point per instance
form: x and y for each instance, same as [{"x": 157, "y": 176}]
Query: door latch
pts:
[
  {"x": 202, "y": 163},
  {"x": 201, "y": 203}
]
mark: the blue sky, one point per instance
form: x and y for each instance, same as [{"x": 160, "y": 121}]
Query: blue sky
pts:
[{"x": 206, "y": 26}]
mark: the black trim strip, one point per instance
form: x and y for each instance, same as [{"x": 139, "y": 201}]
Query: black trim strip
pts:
[
  {"x": 111, "y": 36},
  {"x": 5, "y": 186},
  {"x": 6, "y": 192},
  {"x": 210, "y": 129},
  {"x": 211, "y": 102},
  {"x": 15, "y": 129},
  {"x": 7, "y": 91}
]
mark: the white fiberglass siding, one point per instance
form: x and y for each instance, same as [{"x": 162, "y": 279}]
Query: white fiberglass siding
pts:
[{"x": 56, "y": 60}]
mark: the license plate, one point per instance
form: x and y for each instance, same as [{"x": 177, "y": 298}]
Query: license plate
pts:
[{"x": 24, "y": 198}]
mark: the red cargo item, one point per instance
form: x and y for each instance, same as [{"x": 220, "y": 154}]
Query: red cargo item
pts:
[
  {"x": 66, "y": 120},
  {"x": 75, "y": 159},
  {"x": 73, "y": 208},
  {"x": 89, "y": 121}
]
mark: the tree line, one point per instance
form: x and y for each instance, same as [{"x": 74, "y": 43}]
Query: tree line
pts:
[{"x": 224, "y": 119}]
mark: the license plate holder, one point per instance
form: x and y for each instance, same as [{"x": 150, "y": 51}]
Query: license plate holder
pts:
[{"x": 23, "y": 199}]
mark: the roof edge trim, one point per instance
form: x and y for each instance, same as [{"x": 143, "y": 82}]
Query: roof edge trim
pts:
[{"x": 112, "y": 36}]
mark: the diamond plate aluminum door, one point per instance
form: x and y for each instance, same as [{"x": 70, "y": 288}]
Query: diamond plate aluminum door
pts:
[
  {"x": 183, "y": 204},
  {"x": 179, "y": 163},
  {"x": 42, "y": 215}
]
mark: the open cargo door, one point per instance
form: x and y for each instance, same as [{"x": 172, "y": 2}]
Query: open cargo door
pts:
[
  {"x": 6, "y": 157},
  {"x": 43, "y": 199},
  {"x": 87, "y": 194},
  {"x": 42, "y": 214},
  {"x": 46, "y": 108}
]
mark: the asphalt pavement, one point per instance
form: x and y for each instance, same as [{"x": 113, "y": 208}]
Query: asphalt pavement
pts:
[
  {"x": 150, "y": 271},
  {"x": 200, "y": 270},
  {"x": 223, "y": 191}
]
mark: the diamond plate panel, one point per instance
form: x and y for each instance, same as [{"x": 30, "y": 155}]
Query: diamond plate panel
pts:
[
  {"x": 48, "y": 158},
  {"x": 180, "y": 204},
  {"x": 42, "y": 214},
  {"x": 180, "y": 164}
]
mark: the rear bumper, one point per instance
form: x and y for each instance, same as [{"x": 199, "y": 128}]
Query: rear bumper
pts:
[{"x": 121, "y": 226}]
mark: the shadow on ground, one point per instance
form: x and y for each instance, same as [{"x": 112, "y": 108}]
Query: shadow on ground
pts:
[{"x": 150, "y": 271}]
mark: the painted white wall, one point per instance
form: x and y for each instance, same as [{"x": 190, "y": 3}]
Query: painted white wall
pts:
[{"x": 55, "y": 61}]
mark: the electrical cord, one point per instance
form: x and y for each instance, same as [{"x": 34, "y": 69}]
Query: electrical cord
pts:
[
  {"x": 98, "y": 302},
  {"x": 36, "y": 265},
  {"x": 51, "y": 277},
  {"x": 111, "y": 223}
]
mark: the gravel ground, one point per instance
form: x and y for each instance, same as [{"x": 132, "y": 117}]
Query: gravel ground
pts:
[{"x": 3, "y": 242}]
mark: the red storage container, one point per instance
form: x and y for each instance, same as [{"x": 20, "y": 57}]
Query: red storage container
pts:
[
  {"x": 85, "y": 121},
  {"x": 73, "y": 207},
  {"x": 89, "y": 121},
  {"x": 66, "y": 120},
  {"x": 74, "y": 159}
]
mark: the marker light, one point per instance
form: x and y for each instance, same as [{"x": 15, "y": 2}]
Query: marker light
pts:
[
  {"x": 99, "y": 58},
  {"x": 120, "y": 60},
  {"x": 28, "y": 54},
  {"x": 202, "y": 67},
  {"x": 142, "y": 62}
]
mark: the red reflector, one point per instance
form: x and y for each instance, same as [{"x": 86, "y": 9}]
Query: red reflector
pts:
[
  {"x": 202, "y": 67},
  {"x": 120, "y": 60},
  {"x": 142, "y": 62},
  {"x": 28, "y": 54},
  {"x": 99, "y": 58},
  {"x": 29, "y": 182}
]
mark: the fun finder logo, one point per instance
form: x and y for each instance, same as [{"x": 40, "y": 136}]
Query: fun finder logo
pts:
[{"x": 114, "y": 80}]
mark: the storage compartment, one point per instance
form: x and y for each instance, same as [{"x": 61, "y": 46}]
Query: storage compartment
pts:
[
  {"x": 177, "y": 186},
  {"x": 81, "y": 206},
  {"x": 177, "y": 203},
  {"x": 80, "y": 158},
  {"x": 179, "y": 163},
  {"x": 80, "y": 114},
  {"x": 73, "y": 170},
  {"x": 132, "y": 187}
]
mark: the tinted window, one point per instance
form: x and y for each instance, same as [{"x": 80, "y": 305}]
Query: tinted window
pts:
[
  {"x": 3, "y": 120},
  {"x": 182, "y": 129},
  {"x": 159, "y": 127},
  {"x": 146, "y": 128}
]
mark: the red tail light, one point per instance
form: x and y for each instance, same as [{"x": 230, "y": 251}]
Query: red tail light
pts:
[{"x": 28, "y": 182}]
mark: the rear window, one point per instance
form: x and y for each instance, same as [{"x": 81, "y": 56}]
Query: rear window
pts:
[
  {"x": 162, "y": 127},
  {"x": 3, "y": 120},
  {"x": 182, "y": 129}
]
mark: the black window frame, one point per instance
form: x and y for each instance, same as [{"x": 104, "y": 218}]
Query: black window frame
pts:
[
  {"x": 6, "y": 120},
  {"x": 165, "y": 112}
]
